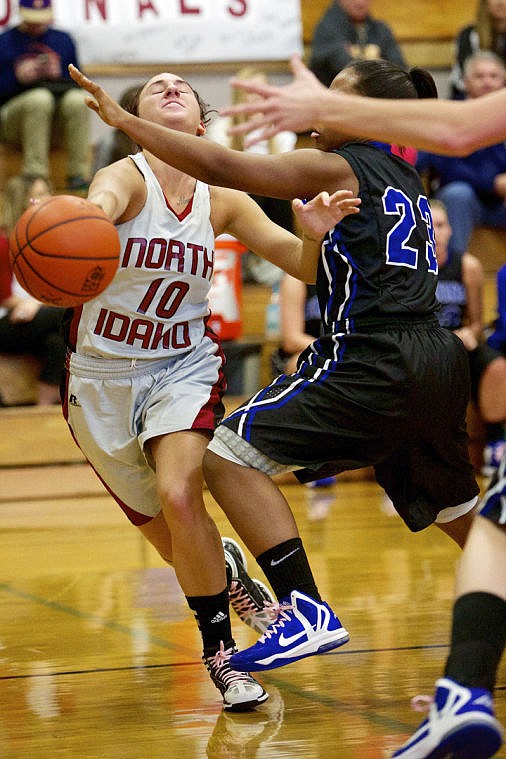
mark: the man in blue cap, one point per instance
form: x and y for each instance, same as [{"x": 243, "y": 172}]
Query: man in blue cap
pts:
[{"x": 38, "y": 100}]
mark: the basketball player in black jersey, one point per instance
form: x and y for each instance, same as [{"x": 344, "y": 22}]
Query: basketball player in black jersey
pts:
[{"x": 385, "y": 386}]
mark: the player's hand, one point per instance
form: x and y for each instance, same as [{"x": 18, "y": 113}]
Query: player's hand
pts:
[
  {"x": 324, "y": 211},
  {"x": 278, "y": 108},
  {"x": 24, "y": 311},
  {"x": 108, "y": 109},
  {"x": 468, "y": 338}
]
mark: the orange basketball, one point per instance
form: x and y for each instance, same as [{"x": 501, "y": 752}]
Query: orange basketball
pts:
[{"x": 64, "y": 250}]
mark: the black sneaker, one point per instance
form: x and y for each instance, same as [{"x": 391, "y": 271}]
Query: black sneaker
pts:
[
  {"x": 240, "y": 691},
  {"x": 251, "y": 600}
]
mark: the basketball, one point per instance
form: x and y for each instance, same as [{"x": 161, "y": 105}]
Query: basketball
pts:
[{"x": 64, "y": 250}]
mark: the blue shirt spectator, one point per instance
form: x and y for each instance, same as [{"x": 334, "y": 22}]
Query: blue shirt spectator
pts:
[
  {"x": 38, "y": 99},
  {"x": 472, "y": 188}
]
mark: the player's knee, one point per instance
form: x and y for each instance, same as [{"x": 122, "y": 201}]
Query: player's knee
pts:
[
  {"x": 40, "y": 101},
  {"x": 182, "y": 506}
]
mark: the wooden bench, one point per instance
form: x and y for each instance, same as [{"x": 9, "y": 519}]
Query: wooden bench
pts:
[
  {"x": 489, "y": 246},
  {"x": 11, "y": 162},
  {"x": 18, "y": 379}
]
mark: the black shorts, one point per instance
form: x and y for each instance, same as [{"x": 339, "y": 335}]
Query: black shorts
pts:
[{"x": 396, "y": 400}]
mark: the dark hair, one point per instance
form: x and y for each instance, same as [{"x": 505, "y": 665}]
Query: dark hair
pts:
[
  {"x": 205, "y": 110},
  {"x": 381, "y": 79},
  {"x": 122, "y": 144}
]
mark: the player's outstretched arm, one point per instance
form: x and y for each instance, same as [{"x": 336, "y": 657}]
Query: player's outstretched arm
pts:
[
  {"x": 443, "y": 126},
  {"x": 287, "y": 108}
]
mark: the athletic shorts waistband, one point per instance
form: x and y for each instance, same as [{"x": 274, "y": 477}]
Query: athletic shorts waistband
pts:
[
  {"x": 384, "y": 324},
  {"x": 113, "y": 368}
]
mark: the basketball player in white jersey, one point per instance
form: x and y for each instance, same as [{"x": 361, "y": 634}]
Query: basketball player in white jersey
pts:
[{"x": 145, "y": 373}]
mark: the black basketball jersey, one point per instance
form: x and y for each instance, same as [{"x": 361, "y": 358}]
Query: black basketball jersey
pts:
[{"x": 379, "y": 265}]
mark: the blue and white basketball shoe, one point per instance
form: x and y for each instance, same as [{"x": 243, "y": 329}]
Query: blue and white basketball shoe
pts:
[
  {"x": 461, "y": 725},
  {"x": 303, "y": 627}
]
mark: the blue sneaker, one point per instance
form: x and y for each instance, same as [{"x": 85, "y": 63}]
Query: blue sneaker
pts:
[
  {"x": 303, "y": 627},
  {"x": 324, "y": 482},
  {"x": 460, "y": 725}
]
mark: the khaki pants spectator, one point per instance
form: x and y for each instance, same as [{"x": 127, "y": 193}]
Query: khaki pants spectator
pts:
[{"x": 37, "y": 118}]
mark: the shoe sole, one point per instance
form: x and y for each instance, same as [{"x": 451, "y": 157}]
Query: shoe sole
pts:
[
  {"x": 260, "y": 629},
  {"x": 319, "y": 645},
  {"x": 246, "y": 706},
  {"x": 477, "y": 740},
  {"x": 239, "y": 550},
  {"x": 471, "y": 742}
]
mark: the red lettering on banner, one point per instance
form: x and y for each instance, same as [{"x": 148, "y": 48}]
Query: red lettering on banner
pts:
[
  {"x": 100, "y": 5},
  {"x": 238, "y": 8},
  {"x": 186, "y": 9},
  {"x": 146, "y": 5}
]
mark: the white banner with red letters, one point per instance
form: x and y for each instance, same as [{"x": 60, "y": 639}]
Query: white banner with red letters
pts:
[{"x": 176, "y": 31}]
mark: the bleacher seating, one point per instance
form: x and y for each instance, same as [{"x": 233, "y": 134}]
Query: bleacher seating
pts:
[
  {"x": 425, "y": 32},
  {"x": 11, "y": 160}
]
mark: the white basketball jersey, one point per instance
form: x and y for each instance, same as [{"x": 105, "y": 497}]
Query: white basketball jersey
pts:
[{"x": 157, "y": 303}]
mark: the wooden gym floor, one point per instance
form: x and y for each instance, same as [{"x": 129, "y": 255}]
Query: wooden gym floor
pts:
[{"x": 100, "y": 655}]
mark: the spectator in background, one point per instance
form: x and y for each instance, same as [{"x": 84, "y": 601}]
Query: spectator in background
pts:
[
  {"x": 460, "y": 292},
  {"x": 38, "y": 99},
  {"x": 116, "y": 144},
  {"x": 473, "y": 188},
  {"x": 347, "y": 32},
  {"x": 27, "y": 326},
  {"x": 300, "y": 323},
  {"x": 279, "y": 210},
  {"x": 497, "y": 339},
  {"x": 488, "y": 32}
]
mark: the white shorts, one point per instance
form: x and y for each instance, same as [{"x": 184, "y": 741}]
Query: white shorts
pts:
[{"x": 114, "y": 406}]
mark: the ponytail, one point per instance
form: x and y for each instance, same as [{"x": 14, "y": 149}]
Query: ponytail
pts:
[{"x": 425, "y": 85}]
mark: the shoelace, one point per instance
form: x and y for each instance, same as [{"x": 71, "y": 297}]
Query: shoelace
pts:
[
  {"x": 278, "y": 614},
  {"x": 221, "y": 660},
  {"x": 245, "y": 607},
  {"x": 241, "y": 600}
]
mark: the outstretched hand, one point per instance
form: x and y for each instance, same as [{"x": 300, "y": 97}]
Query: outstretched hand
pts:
[
  {"x": 103, "y": 105},
  {"x": 324, "y": 211},
  {"x": 278, "y": 108}
]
